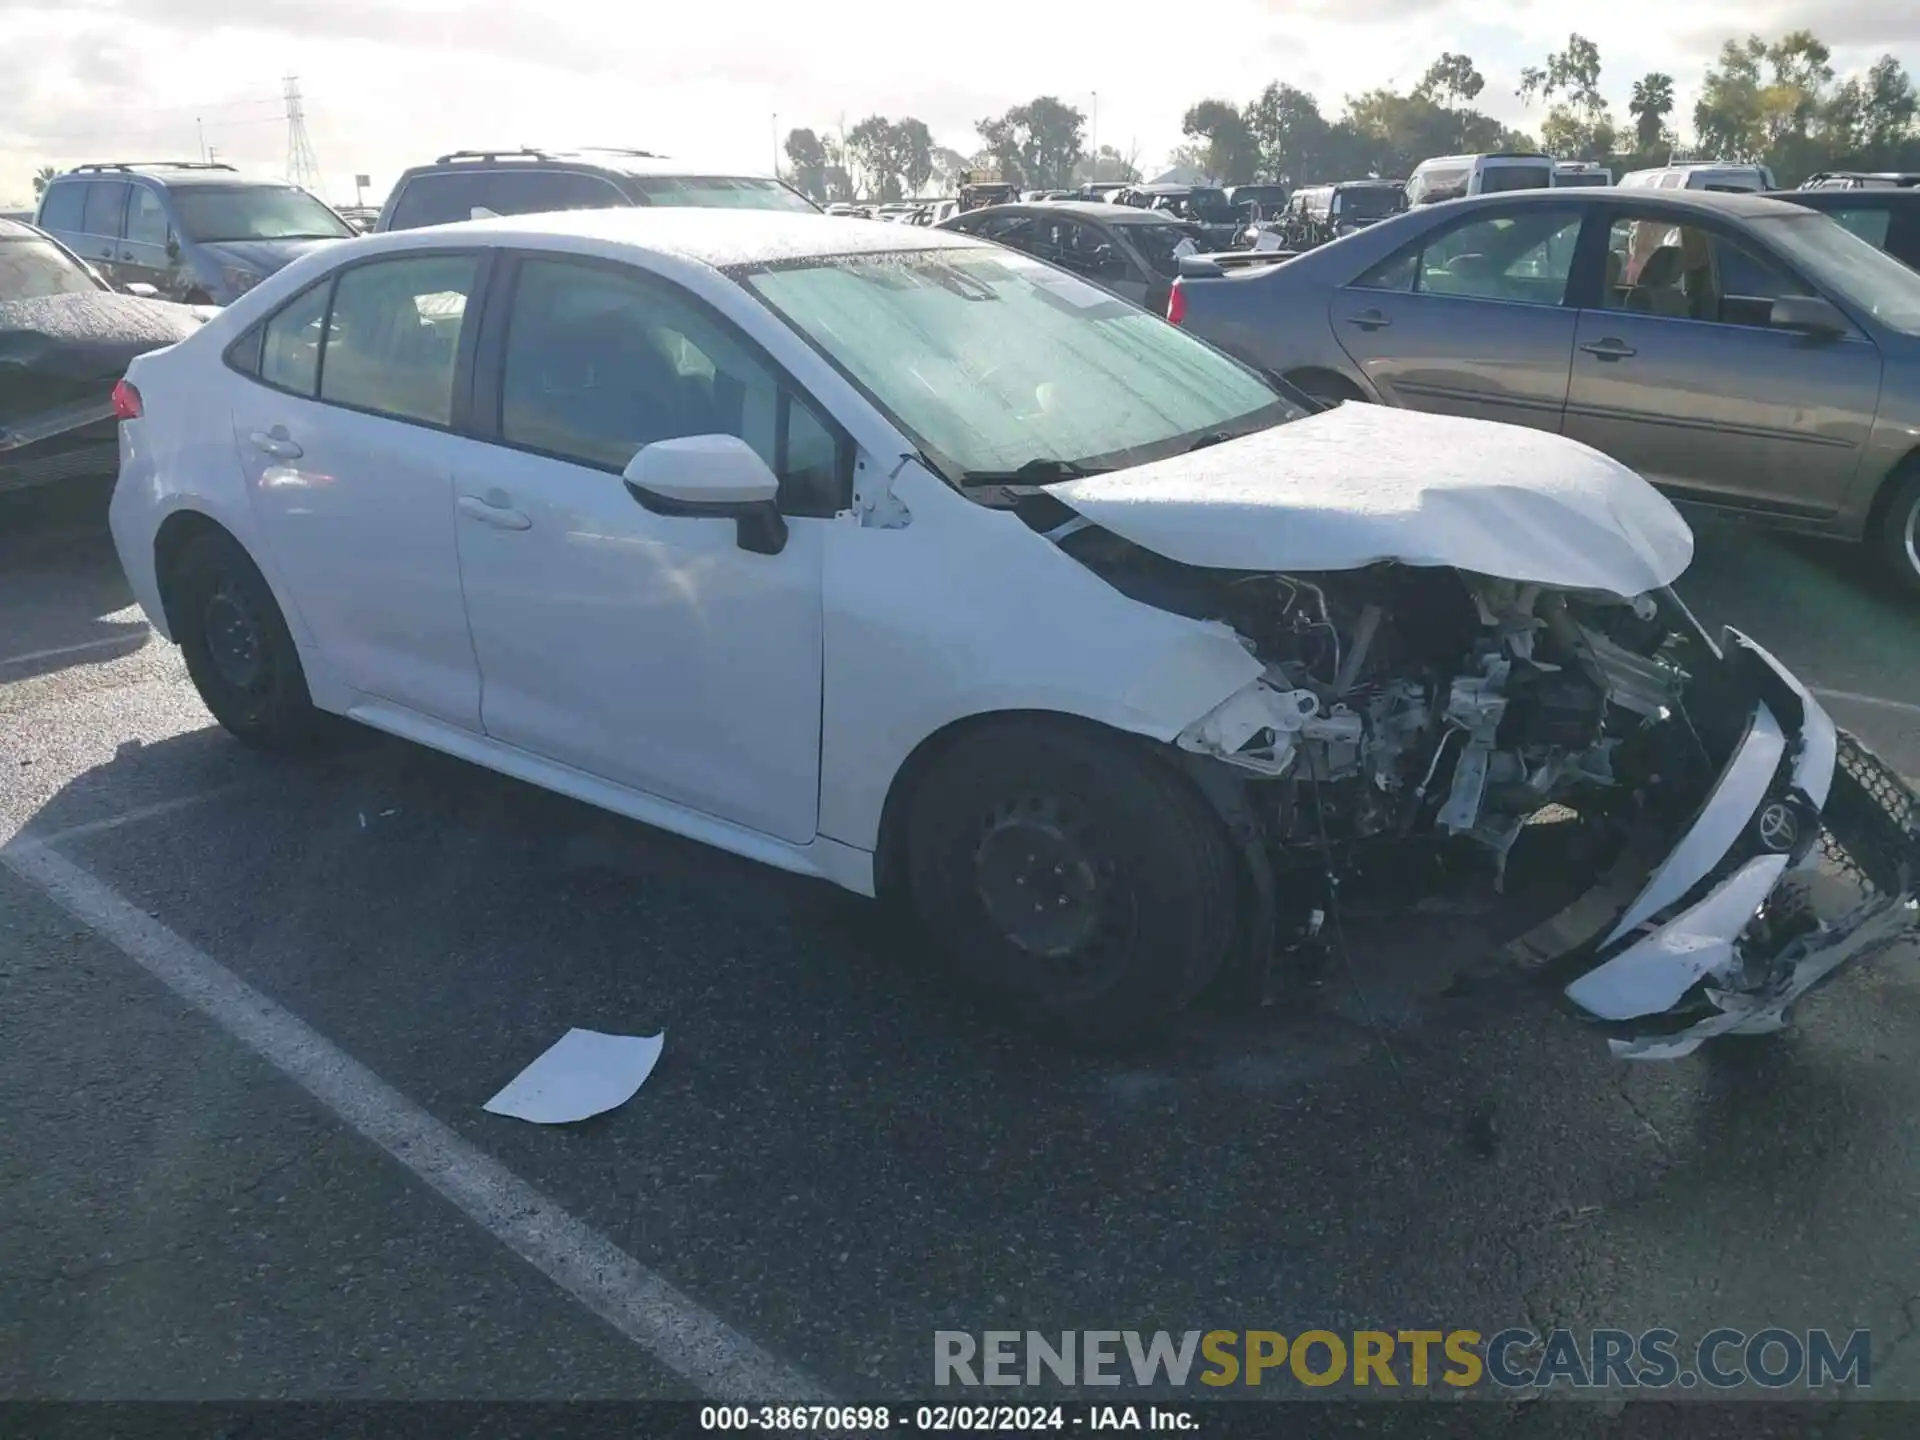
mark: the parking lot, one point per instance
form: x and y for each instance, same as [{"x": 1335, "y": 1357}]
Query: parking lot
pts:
[{"x": 250, "y": 1009}]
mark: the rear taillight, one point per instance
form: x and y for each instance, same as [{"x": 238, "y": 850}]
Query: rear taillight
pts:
[
  {"x": 1176, "y": 304},
  {"x": 126, "y": 402}
]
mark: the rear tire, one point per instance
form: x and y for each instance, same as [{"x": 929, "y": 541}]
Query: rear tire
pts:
[
  {"x": 237, "y": 647},
  {"x": 1897, "y": 540},
  {"x": 1071, "y": 875}
]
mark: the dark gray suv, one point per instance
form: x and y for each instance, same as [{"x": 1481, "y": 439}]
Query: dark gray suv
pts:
[
  {"x": 469, "y": 184},
  {"x": 197, "y": 232}
]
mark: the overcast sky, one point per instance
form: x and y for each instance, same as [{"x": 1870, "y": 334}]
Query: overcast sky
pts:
[{"x": 392, "y": 82}]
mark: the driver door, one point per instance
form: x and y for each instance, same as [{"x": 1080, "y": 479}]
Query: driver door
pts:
[{"x": 648, "y": 650}]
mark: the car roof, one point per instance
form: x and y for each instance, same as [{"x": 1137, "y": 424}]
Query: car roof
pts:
[
  {"x": 715, "y": 237},
  {"x": 1751, "y": 204},
  {"x": 1885, "y": 197},
  {"x": 171, "y": 173},
  {"x": 1091, "y": 209},
  {"x": 15, "y": 230},
  {"x": 586, "y": 157}
]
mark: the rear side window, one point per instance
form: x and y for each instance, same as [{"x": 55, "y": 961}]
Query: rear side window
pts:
[
  {"x": 438, "y": 200},
  {"x": 393, "y": 339},
  {"x": 62, "y": 206},
  {"x": 290, "y": 347},
  {"x": 106, "y": 203},
  {"x": 528, "y": 192}
]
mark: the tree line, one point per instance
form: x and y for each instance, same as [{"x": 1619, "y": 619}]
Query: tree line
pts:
[{"x": 1777, "y": 102}]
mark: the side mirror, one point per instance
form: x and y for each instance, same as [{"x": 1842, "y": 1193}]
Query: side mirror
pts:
[
  {"x": 1808, "y": 314},
  {"x": 711, "y": 477}
]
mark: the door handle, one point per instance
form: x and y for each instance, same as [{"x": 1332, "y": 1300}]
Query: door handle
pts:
[
  {"x": 1369, "y": 320},
  {"x": 502, "y": 517},
  {"x": 1609, "y": 348},
  {"x": 278, "y": 446}
]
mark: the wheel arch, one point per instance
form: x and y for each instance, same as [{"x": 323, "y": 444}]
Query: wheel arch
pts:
[
  {"x": 1219, "y": 787},
  {"x": 170, "y": 543},
  {"x": 1889, "y": 486},
  {"x": 1304, "y": 377}
]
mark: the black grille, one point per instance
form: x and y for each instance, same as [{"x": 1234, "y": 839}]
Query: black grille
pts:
[{"x": 1872, "y": 823}]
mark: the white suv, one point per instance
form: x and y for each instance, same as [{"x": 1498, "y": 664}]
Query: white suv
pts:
[{"x": 893, "y": 557}]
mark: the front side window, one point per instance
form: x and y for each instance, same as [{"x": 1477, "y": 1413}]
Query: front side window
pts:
[
  {"x": 1089, "y": 380},
  {"x": 216, "y": 213},
  {"x": 600, "y": 362},
  {"x": 1687, "y": 272},
  {"x": 34, "y": 269},
  {"x": 146, "y": 220},
  {"x": 1523, "y": 258},
  {"x": 1847, "y": 266},
  {"x": 105, "y": 209},
  {"x": 721, "y": 192},
  {"x": 1870, "y": 225},
  {"x": 63, "y": 205},
  {"x": 393, "y": 341}
]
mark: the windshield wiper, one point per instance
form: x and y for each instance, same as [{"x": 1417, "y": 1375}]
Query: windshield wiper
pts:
[
  {"x": 1041, "y": 470},
  {"x": 1216, "y": 437}
]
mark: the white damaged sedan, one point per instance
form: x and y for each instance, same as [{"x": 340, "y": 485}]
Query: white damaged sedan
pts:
[{"x": 898, "y": 559}]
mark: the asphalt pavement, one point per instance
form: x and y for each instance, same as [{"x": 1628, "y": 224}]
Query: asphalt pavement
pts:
[{"x": 250, "y": 1010}]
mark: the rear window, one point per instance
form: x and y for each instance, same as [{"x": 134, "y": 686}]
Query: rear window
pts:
[
  {"x": 529, "y": 192},
  {"x": 1871, "y": 225},
  {"x": 1498, "y": 178},
  {"x": 60, "y": 208}
]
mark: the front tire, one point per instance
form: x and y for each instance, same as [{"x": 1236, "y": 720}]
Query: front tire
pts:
[
  {"x": 1072, "y": 875},
  {"x": 237, "y": 647},
  {"x": 1898, "y": 538}
]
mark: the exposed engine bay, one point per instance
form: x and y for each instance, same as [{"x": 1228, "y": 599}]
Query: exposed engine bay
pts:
[
  {"x": 1418, "y": 702},
  {"x": 1400, "y": 701}
]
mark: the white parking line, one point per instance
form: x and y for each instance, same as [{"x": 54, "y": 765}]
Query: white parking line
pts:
[
  {"x": 79, "y": 649},
  {"x": 1879, "y": 701},
  {"x": 136, "y": 815},
  {"x": 675, "y": 1330}
]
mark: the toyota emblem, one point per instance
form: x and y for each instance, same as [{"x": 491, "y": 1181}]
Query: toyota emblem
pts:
[{"x": 1778, "y": 827}]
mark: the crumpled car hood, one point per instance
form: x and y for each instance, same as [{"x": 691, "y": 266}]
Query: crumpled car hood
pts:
[
  {"x": 86, "y": 337},
  {"x": 1358, "y": 484}
]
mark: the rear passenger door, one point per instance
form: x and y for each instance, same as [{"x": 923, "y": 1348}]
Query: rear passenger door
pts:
[
  {"x": 146, "y": 256},
  {"x": 345, "y": 438},
  {"x": 101, "y": 237},
  {"x": 1472, "y": 319}
]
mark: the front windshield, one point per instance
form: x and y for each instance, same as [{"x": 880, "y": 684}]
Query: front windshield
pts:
[
  {"x": 1159, "y": 246},
  {"x": 214, "y": 213},
  {"x": 35, "y": 269},
  {"x": 1092, "y": 380},
  {"x": 721, "y": 192},
  {"x": 1865, "y": 277}
]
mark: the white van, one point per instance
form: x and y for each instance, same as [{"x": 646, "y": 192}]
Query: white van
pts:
[
  {"x": 1702, "y": 175},
  {"x": 1448, "y": 177}
]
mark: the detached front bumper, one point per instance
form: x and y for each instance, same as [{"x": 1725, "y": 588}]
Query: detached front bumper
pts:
[{"x": 1802, "y": 859}]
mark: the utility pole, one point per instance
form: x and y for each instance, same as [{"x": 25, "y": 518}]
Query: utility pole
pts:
[
  {"x": 1093, "y": 143},
  {"x": 776, "y": 144},
  {"x": 303, "y": 169},
  {"x": 201, "y": 130}
]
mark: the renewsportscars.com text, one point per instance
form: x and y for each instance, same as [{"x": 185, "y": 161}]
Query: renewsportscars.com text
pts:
[{"x": 1657, "y": 1359}]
